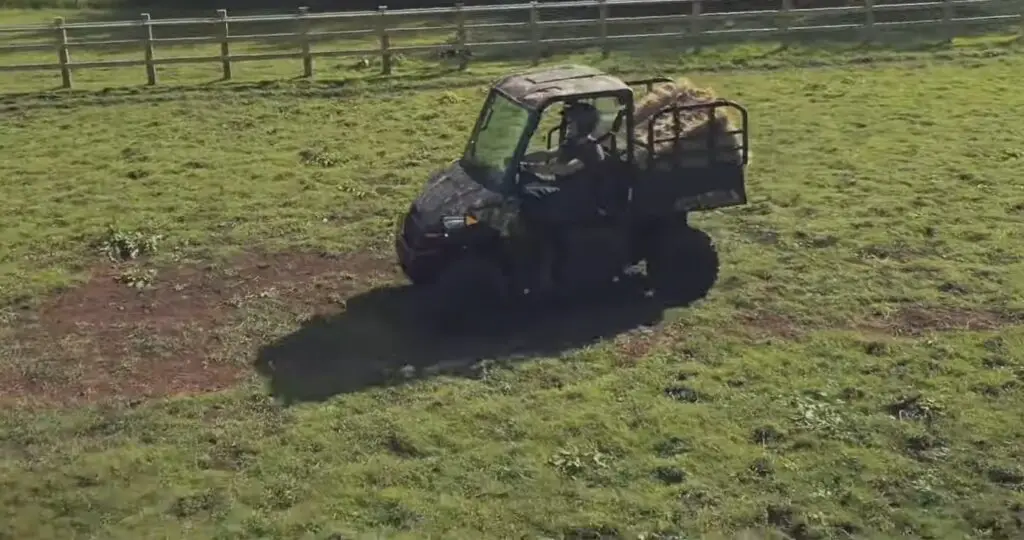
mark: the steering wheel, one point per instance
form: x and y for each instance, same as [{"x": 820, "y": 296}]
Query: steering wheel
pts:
[{"x": 531, "y": 165}]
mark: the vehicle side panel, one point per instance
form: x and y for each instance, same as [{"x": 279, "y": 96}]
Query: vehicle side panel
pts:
[{"x": 661, "y": 192}]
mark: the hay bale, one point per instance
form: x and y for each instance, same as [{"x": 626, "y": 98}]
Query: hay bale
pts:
[{"x": 694, "y": 127}]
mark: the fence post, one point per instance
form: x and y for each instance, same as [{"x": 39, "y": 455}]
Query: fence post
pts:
[
  {"x": 695, "y": 25},
  {"x": 385, "y": 40},
  {"x": 535, "y": 35},
  {"x": 147, "y": 26},
  {"x": 225, "y": 53},
  {"x": 869, "y": 21},
  {"x": 784, "y": 19},
  {"x": 1021, "y": 21},
  {"x": 461, "y": 36},
  {"x": 304, "y": 27},
  {"x": 602, "y": 13},
  {"x": 1021, "y": 37},
  {"x": 947, "y": 20},
  {"x": 63, "y": 55}
]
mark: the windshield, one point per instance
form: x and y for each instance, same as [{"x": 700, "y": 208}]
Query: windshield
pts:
[{"x": 495, "y": 142}]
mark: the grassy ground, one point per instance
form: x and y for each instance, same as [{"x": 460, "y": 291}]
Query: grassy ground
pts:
[{"x": 856, "y": 371}]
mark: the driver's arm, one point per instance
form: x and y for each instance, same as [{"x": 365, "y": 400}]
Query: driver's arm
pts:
[
  {"x": 540, "y": 155},
  {"x": 558, "y": 168}
]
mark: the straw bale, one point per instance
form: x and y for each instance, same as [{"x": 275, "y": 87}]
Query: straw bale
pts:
[{"x": 694, "y": 127}]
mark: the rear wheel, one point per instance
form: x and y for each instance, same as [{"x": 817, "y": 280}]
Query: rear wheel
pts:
[
  {"x": 465, "y": 292},
  {"x": 682, "y": 264}
]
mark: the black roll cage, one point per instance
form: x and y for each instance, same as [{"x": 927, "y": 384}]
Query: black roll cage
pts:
[{"x": 627, "y": 113}]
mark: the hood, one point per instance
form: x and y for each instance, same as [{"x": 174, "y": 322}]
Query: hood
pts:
[{"x": 451, "y": 192}]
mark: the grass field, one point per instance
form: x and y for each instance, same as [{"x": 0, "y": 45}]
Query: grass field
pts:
[{"x": 856, "y": 372}]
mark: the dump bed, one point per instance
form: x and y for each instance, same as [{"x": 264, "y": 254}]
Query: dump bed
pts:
[
  {"x": 659, "y": 192},
  {"x": 690, "y": 153}
]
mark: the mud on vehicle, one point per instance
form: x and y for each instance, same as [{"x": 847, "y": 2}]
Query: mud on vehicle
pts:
[{"x": 489, "y": 228}]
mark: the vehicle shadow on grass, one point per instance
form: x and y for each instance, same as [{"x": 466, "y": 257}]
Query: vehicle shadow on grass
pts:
[{"x": 376, "y": 341}]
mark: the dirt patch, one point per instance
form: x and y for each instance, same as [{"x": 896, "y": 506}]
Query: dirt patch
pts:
[
  {"x": 907, "y": 321},
  {"x": 634, "y": 345},
  {"x": 106, "y": 339},
  {"x": 181, "y": 331},
  {"x": 916, "y": 320}
]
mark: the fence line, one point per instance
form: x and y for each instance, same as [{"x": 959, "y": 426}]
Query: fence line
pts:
[{"x": 461, "y": 47}]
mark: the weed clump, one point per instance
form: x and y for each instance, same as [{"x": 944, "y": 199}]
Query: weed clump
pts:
[
  {"x": 573, "y": 462},
  {"x": 766, "y": 435},
  {"x": 915, "y": 407},
  {"x": 121, "y": 245},
  {"x": 319, "y": 157},
  {"x": 137, "y": 278},
  {"x": 683, "y": 393},
  {"x": 670, "y": 475}
]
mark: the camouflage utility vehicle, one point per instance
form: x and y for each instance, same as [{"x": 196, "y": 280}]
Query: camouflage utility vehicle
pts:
[{"x": 494, "y": 225}]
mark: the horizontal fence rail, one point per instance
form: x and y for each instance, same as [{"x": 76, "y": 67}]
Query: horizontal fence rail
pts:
[{"x": 597, "y": 16}]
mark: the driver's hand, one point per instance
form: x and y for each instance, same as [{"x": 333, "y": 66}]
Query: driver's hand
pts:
[
  {"x": 540, "y": 156},
  {"x": 533, "y": 168}
]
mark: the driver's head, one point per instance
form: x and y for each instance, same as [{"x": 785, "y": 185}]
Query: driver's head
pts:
[{"x": 582, "y": 119}]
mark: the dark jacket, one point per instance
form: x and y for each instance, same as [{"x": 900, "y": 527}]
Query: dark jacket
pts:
[{"x": 586, "y": 149}]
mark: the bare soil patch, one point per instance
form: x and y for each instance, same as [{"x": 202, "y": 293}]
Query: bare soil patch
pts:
[
  {"x": 106, "y": 339},
  {"x": 916, "y": 320},
  {"x": 765, "y": 323},
  {"x": 906, "y": 321}
]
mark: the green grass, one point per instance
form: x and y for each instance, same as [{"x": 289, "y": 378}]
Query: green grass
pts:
[{"x": 878, "y": 260}]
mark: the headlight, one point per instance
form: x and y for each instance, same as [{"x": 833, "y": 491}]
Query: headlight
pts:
[{"x": 451, "y": 223}]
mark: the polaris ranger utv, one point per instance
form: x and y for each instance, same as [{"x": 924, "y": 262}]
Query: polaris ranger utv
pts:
[{"x": 490, "y": 228}]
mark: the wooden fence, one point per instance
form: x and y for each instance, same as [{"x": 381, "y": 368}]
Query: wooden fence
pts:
[{"x": 862, "y": 16}]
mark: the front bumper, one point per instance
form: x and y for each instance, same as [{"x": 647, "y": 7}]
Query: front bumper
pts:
[{"x": 417, "y": 250}]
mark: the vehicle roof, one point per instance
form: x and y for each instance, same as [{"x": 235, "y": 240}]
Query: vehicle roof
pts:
[{"x": 535, "y": 88}]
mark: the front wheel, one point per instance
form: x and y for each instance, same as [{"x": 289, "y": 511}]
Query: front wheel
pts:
[
  {"x": 682, "y": 265},
  {"x": 464, "y": 294}
]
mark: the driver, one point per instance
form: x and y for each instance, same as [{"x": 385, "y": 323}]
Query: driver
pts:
[{"x": 580, "y": 148}]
